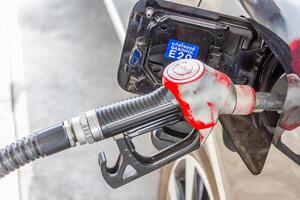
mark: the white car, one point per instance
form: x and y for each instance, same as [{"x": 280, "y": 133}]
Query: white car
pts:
[{"x": 216, "y": 170}]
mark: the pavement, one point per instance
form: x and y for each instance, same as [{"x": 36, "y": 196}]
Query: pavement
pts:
[
  {"x": 9, "y": 56},
  {"x": 71, "y": 53}
]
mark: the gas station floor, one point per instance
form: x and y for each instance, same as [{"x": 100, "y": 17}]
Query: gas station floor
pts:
[{"x": 71, "y": 54}]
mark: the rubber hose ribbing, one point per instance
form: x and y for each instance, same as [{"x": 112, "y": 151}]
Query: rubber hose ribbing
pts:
[
  {"x": 42, "y": 143},
  {"x": 113, "y": 117},
  {"x": 18, "y": 154}
]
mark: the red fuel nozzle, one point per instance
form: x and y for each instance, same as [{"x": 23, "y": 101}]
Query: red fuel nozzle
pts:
[{"x": 204, "y": 93}]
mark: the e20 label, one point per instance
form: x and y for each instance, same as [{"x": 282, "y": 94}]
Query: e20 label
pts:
[{"x": 177, "y": 50}]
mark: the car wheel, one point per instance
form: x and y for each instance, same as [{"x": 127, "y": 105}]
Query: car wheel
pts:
[{"x": 185, "y": 179}]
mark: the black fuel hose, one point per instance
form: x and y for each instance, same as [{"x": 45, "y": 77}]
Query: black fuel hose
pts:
[
  {"x": 108, "y": 121},
  {"x": 39, "y": 144}
]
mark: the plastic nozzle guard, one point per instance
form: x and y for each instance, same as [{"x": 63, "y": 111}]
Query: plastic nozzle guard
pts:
[{"x": 204, "y": 93}]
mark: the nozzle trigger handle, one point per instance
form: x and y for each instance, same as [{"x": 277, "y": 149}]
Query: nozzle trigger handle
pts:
[{"x": 131, "y": 165}]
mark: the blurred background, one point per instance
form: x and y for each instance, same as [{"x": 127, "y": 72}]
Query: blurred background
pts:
[
  {"x": 70, "y": 54},
  {"x": 59, "y": 58}
]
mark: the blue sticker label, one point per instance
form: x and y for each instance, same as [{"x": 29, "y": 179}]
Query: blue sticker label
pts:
[{"x": 177, "y": 50}]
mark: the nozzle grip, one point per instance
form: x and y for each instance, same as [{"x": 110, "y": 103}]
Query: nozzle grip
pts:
[{"x": 129, "y": 114}]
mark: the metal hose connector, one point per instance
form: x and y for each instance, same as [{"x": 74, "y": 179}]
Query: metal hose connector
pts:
[{"x": 18, "y": 154}]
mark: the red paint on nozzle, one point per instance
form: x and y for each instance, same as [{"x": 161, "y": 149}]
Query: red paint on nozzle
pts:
[
  {"x": 246, "y": 100},
  {"x": 222, "y": 78},
  {"x": 185, "y": 107}
]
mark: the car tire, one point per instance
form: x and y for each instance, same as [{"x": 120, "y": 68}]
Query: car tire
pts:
[{"x": 202, "y": 184}]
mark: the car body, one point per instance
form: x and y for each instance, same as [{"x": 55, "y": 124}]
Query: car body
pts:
[{"x": 222, "y": 171}]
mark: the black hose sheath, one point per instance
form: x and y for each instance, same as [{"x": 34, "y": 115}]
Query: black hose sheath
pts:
[
  {"x": 125, "y": 115},
  {"x": 39, "y": 144}
]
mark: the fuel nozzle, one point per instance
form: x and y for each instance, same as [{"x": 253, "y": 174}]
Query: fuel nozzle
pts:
[
  {"x": 205, "y": 93},
  {"x": 192, "y": 90}
]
